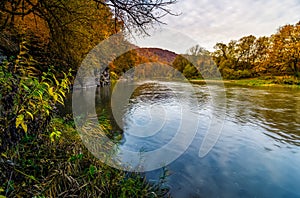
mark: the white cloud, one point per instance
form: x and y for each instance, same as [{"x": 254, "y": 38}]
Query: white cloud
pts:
[{"x": 209, "y": 22}]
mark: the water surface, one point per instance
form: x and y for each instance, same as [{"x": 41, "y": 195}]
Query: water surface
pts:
[{"x": 257, "y": 154}]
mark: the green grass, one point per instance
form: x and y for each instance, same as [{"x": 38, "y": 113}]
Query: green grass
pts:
[
  {"x": 280, "y": 81},
  {"x": 277, "y": 81}
]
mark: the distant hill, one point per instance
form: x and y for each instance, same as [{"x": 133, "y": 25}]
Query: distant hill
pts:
[{"x": 158, "y": 55}]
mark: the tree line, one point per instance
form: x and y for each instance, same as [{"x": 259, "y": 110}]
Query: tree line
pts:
[
  {"x": 247, "y": 57},
  {"x": 276, "y": 55}
]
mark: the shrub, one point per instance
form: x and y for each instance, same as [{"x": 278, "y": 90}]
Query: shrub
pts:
[
  {"x": 245, "y": 74},
  {"x": 28, "y": 97}
]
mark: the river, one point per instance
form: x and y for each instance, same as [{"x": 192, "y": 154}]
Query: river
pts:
[{"x": 257, "y": 153}]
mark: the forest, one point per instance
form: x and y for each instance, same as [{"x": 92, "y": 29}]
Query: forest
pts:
[{"x": 42, "y": 44}]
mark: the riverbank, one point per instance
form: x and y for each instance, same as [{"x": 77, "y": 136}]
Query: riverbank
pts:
[
  {"x": 278, "y": 81},
  {"x": 59, "y": 165}
]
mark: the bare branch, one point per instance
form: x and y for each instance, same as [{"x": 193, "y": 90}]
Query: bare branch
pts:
[{"x": 140, "y": 13}]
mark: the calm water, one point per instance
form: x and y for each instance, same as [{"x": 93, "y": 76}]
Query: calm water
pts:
[{"x": 257, "y": 154}]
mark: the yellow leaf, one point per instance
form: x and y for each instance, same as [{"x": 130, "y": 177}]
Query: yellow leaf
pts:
[
  {"x": 32, "y": 104},
  {"x": 55, "y": 134},
  {"x": 60, "y": 99},
  {"x": 50, "y": 90},
  {"x": 62, "y": 93},
  {"x": 55, "y": 97},
  {"x": 30, "y": 114},
  {"x": 40, "y": 94},
  {"x": 57, "y": 83},
  {"x": 4, "y": 155},
  {"x": 24, "y": 126},
  {"x": 19, "y": 120},
  {"x": 51, "y": 137},
  {"x": 62, "y": 103},
  {"x": 46, "y": 84}
]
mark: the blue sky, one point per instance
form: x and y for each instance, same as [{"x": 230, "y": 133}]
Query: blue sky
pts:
[{"x": 208, "y": 22}]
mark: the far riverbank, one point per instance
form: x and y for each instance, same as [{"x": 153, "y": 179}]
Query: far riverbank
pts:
[{"x": 279, "y": 81}]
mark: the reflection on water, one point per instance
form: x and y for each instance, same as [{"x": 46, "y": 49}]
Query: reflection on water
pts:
[
  {"x": 274, "y": 110},
  {"x": 257, "y": 155}
]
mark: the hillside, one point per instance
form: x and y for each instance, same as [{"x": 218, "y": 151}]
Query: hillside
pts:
[{"x": 158, "y": 55}]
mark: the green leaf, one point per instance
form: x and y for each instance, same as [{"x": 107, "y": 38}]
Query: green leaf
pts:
[
  {"x": 26, "y": 88},
  {"x": 32, "y": 177}
]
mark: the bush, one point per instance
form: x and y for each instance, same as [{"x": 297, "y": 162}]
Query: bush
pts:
[
  {"x": 28, "y": 97},
  {"x": 228, "y": 73},
  {"x": 245, "y": 74}
]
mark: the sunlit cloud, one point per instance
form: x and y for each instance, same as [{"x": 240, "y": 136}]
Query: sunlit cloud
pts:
[{"x": 209, "y": 22}]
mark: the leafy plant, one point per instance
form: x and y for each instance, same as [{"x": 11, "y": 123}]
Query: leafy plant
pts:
[{"x": 28, "y": 96}]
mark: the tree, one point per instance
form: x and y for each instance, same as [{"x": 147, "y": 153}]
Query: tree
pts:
[
  {"x": 262, "y": 48},
  {"x": 180, "y": 63},
  {"x": 225, "y": 58},
  {"x": 73, "y": 27},
  {"x": 197, "y": 50},
  {"x": 203, "y": 61},
  {"x": 133, "y": 13},
  {"x": 250, "y": 56},
  {"x": 190, "y": 71},
  {"x": 245, "y": 52},
  {"x": 124, "y": 62},
  {"x": 285, "y": 50}
]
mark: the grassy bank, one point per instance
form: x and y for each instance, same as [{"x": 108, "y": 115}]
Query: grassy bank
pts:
[
  {"x": 278, "y": 81},
  {"x": 42, "y": 165}
]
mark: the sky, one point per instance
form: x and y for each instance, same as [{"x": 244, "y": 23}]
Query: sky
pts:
[{"x": 206, "y": 22}]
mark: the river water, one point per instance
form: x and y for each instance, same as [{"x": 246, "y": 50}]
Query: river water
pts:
[{"x": 257, "y": 153}]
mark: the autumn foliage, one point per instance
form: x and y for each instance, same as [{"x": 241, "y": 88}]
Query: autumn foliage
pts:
[{"x": 277, "y": 55}]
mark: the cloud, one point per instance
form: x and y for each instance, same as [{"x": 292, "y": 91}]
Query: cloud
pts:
[{"x": 209, "y": 22}]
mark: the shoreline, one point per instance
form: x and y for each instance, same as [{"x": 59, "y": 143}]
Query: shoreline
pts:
[{"x": 250, "y": 82}]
